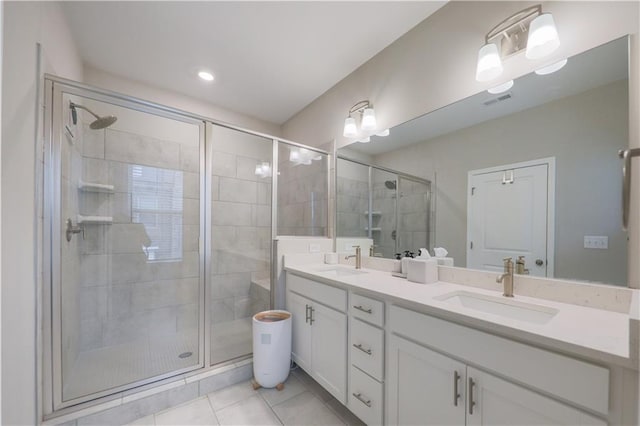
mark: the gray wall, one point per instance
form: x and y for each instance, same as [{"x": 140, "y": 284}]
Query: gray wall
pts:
[{"x": 583, "y": 132}]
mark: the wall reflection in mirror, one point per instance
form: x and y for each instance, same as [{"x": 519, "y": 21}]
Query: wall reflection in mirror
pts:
[{"x": 530, "y": 172}]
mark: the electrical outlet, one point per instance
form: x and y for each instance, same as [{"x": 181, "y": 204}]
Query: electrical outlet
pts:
[
  {"x": 596, "y": 242},
  {"x": 314, "y": 248}
]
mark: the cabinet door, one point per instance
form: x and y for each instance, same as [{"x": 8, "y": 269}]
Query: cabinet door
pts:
[
  {"x": 301, "y": 330},
  {"x": 424, "y": 387},
  {"x": 329, "y": 350},
  {"x": 498, "y": 402}
]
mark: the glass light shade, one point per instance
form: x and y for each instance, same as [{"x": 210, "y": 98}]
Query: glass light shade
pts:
[
  {"x": 365, "y": 140},
  {"x": 543, "y": 37},
  {"x": 294, "y": 156},
  {"x": 385, "y": 132},
  {"x": 501, "y": 88},
  {"x": 489, "y": 63},
  {"x": 258, "y": 171},
  {"x": 551, "y": 68},
  {"x": 350, "y": 129},
  {"x": 368, "y": 120}
]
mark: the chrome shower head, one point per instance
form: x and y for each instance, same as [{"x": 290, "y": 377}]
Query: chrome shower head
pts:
[
  {"x": 390, "y": 184},
  {"x": 98, "y": 123}
]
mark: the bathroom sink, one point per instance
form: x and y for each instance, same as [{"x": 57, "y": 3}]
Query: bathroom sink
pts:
[
  {"x": 500, "y": 306},
  {"x": 339, "y": 271}
]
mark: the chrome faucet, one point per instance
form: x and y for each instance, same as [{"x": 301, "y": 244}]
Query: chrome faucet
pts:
[
  {"x": 520, "y": 266},
  {"x": 358, "y": 257},
  {"x": 507, "y": 277}
]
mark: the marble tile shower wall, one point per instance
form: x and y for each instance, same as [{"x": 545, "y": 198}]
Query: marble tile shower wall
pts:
[
  {"x": 124, "y": 296},
  {"x": 385, "y": 233},
  {"x": 241, "y": 226},
  {"x": 302, "y": 197},
  {"x": 413, "y": 215},
  {"x": 352, "y": 205}
]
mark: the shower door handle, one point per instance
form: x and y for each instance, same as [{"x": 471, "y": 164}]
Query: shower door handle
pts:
[
  {"x": 77, "y": 229},
  {"x": 626, "y": 156}
]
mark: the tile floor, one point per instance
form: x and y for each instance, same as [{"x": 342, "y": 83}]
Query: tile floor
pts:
[{"x": 302, "y": 402}]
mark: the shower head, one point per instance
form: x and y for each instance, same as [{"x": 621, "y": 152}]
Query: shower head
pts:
[
  {"x": 99, "y": 123},
  {"x": 390, "y": 184}
]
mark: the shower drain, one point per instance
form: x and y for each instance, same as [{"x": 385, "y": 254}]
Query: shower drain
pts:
[{"x": 185, "y": 354}]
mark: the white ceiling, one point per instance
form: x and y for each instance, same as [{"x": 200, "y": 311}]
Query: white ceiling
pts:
[
  {"x": 270, "y": 59},
  {"x": 596, "y": 67}
]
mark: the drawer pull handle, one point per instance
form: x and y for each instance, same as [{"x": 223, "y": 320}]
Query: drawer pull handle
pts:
[
  {"x": 359, "y": 397},
  {"x": 456, "y": 394},
  {"x": 360, "y": 308},
  {"x": 311, "y": 311},
  {"x": 306, "y": 313},
  {"x": 359, "y": 346},
  {"x": 471, "y": 401}
]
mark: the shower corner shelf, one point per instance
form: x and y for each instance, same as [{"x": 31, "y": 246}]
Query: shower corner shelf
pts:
[
  {"x": 94, "y": 220},
  {"x": 95, "y": 187},
  {"x": 373, "y": 229},
  {"x": 374, "y": 213}
]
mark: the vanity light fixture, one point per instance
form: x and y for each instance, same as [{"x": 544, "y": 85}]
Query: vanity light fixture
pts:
[
  {"x": 528, "y": 29},
  {"x": 383, "y": 133},
  {"x": 205, "y": 75},
  {"x": 263, "y": 170},
  {"x": 368, "y": 122},
  {"x": 501, "y": 88},
  {"x": 551, "y": 68},
  {"x": 365, "y": 140}
]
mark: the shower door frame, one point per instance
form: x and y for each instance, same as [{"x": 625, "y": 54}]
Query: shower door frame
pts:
[{"x": 51, "y": 306}]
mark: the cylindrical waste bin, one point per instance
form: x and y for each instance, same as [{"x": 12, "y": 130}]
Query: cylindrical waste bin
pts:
[{"x": 271, "y": 347}]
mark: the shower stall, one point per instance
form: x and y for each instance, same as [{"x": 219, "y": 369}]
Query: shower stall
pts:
[
  {"x": 390, "y": 208},
  {"x": 158, "y": 234}
]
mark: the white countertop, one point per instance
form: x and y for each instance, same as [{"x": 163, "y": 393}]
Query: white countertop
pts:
[{"x": 597, "y": 334}]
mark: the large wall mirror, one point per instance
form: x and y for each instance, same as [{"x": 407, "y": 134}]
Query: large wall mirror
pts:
[{"x": 532, "y": 171}]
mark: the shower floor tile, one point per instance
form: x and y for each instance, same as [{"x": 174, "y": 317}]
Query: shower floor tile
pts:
[
  {"x": 239, "y": 404},
  {"x": 107, "y": 368}
]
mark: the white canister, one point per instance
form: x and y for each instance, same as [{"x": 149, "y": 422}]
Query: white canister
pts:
[{"x": 331, "y": 258}]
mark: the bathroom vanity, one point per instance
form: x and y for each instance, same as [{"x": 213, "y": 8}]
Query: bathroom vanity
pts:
[{"x": 398, "y": 352}]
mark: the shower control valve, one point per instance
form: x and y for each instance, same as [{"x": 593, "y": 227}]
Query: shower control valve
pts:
[{"x": 71, "y": 229}]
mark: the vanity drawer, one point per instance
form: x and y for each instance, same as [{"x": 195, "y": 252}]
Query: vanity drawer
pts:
[
  {"x": 365, "y": 397},
  {"x": 333, "y": 297},
  {"x": 367, "y": 309},
  {"x": 367, "y": 348}
]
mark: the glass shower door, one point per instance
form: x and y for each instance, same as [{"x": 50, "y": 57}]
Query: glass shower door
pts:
[
  {"x": 414, "y": 212},
  {"x": 127, "y": 287}
]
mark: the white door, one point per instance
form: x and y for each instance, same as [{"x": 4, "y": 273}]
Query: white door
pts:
[
  {"x": 329, "y": 350},
  {"x": 301, "y": 330},
  {"x": 507, "y": 216},
  {"x": 425, "y": 387},
  {"x": 493, "y": 401}
]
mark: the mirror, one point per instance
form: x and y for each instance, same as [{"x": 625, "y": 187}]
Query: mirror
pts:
[{"x": 530, "y": 172}]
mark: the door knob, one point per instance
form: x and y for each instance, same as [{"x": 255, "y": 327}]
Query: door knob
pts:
[{"x": 539, "y": 262}]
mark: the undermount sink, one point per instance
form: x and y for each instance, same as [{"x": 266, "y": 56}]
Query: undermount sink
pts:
[
  {"x": 500, "y": 306},
  {"x": 339, "y": 271}
]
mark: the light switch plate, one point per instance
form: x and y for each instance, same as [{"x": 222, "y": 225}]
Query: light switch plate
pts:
[{"x": 596, "y": 242}]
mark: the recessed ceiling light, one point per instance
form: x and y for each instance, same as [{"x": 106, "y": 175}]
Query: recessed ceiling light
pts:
[{"x": 205, "y": 75}]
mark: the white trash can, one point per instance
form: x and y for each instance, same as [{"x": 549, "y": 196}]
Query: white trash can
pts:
[{"x": 271, "y": 348}]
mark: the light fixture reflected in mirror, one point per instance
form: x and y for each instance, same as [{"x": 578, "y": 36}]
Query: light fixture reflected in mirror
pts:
[
  {"x": 551, "y": 68},
  {"x": 528, "y": 29},
  {"x": 263, "y": 170},
  {"x": 383, "y": 133},
  {"x": 303, "y": 156},
  {"x": 501, "y": 88}
]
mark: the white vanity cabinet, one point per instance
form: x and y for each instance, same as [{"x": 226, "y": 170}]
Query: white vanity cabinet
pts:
[
  {"x": 425, "y": 386},
  {"x": 319, "y": 327},
  {"x": 366, "y": 369}
]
